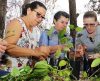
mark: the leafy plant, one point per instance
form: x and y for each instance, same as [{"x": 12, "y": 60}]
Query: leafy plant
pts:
[
  {"x": 41, "y": 72},
  {"x": 95, "y": 62}
]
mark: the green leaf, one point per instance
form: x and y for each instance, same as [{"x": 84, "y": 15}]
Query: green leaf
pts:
[
  {"x": 27, "y": 69},
  {"x": 40, "y": 73},
  {"x": 67, "y": 72},
  {"x": 15, "y": 72},
  {"x": 62, "y": 33},
  {"x": 71, "y": 27},
  {"x": 60, "y": 73},
  {"x": 79, "y": 29},
  {"x": 69, "y": 45},
  {"x": 50, "y": 31},
  {"x": 42, "y": 64},
  {"x": 62, "y": 63},
  {"x": 47, "y": 78},
  {"x": 63, "y": 40},
  {"x": 67, "y": 79},
  {"x": 57, "y": 54},
  {"x": 98, "y": 79},
  {"x": 95, "y": 62},
  {"x": 84, "y": 74},
  {"x": 66, "y": 49}
]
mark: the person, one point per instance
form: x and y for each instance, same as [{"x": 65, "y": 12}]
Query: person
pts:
[
  {"x": 60, "y": 21},
  {"x": 3, "y": 47},
  {"x": 23, "y": 48},
  {"x": 90, "y": 38}
]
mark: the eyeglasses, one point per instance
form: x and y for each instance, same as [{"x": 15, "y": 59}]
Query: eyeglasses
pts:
[
  {"x": 91, "y": 24},
  {"x": 39, "y": 15},
  {"x": 63, "y": 22}
]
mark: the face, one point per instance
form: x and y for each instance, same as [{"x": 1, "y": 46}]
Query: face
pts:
[
  {"x": 61, "y": 23},
  {"x": 36, "y": 16},
  {"x": 90, "y": 24}
]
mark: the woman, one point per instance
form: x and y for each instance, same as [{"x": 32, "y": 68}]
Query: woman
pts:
[
  {"x": 91, "y": 34},
  {"x": 22, "y": 46}
]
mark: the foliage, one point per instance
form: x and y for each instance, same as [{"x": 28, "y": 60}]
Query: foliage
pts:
[
  {"x": 96, "y": 62},
  {"x": 94, "y": 5},
  {"x": 78, "y": 29},
  {"x": 41, "y": 72}
]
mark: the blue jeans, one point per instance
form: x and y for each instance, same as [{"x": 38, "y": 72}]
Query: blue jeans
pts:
[{"x": 2, "y": 72}]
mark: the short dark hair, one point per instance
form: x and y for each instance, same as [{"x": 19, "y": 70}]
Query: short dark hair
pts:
[
  {"x": 59, "y": 14},
  {"x": 90, "y": 14},
  {"x": 32, "y": 6}
]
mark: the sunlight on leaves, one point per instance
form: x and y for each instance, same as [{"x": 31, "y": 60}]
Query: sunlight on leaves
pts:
[
  {"x": 72, "y": 27},
  {"x": 69, "y": 45},
  {"x": 63, "y": 40},
  {"x": 57, "y": 54},
  {"x": 79, "y": 29},
  {"x": 66, "y": 49},
  {"x": 95, "y": 62},
  {"x": 62, "y": 33},
  {"x": 15, "y": 72},
  {"x": 62, "y": 63},
  {"x": 47, "y": 78}
]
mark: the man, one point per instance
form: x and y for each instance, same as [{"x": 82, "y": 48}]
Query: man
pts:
[{"x": 60, "y": 21}]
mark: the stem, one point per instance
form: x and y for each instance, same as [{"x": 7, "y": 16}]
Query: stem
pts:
[
  {"x": 74, "y": 77},
  {"x": 75, "y": 47},
  {"x": 94, "y": 73}
]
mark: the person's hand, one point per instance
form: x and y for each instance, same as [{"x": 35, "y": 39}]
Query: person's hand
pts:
[
  {"x": 80, "y": 51},
  {"x": 45, "y": 50},
  {"x": 94, "y": 56},
  {"x": 3, "y": 45},
  {"x": 42, "y": 52},
  {"x": 54, "y": 48}
]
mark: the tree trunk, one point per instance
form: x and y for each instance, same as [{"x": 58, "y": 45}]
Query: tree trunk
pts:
[
  {"x": 3, "y": 4},
  {"x": 73, "y": 20}
]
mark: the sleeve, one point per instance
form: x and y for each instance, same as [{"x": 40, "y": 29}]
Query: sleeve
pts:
[{"x": 43, "y": 39}]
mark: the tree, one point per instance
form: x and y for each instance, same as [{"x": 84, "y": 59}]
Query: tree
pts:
[
  {"x": 94, "y": 5},
  {"x": 73, "y": 20},
  {"x": 3, "y": 5},
  {"x": 26, "y": 1}
]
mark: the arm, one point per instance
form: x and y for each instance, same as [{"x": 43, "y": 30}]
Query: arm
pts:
[
  {"x": 94, "y": 56},
  {"x": 44, "y": 42}
]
